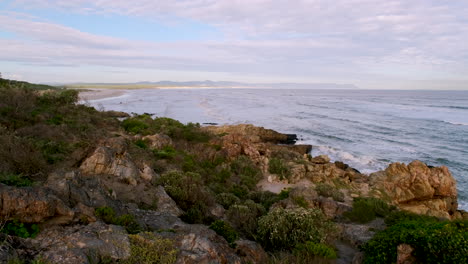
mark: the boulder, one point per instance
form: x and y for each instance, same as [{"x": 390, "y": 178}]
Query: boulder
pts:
[
  {"x": 109, "y": 161},
  {"x": 322, "y": 159},
  {"x": 158, "y": 141},
  {"x": 33, "y": 205},
  {"x": 404, "y": 254},
  {"x": 250, "y": 252},
  {"x": 417, "y": 187}
]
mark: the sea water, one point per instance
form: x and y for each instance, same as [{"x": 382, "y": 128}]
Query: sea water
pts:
[{"x": 367, "y": 129}]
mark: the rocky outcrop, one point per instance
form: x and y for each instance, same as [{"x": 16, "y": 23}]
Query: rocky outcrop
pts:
[
  {"x": 112, "y": 158},
  {"x": 418, "y": 188},
  {"x": 255, "y": 134},
  {"x": 83, "y": 244},
  {"x": 33, "y": 205},
  {"x": 158, "y": 141}
]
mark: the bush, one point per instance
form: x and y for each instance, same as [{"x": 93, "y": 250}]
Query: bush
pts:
[
  {"x": 327, "y": 190},
  {"x": 17, "y": 180},
  {"x": 166, "y": 152},
  {"x": 146, "y": 248},
  {"x": 246, "y": 171},
  {"x": 244, "y": 217},
  {"x": 24, "y": 230},
  {"x": 145, "y": 125},
  {"x": 367, "y": 209},
  {"x": 227, "y": 199},
  {"x": 433, "y": 242},
  {"x": 225, "y": 230},
  {"x": 108, "y": 215},
  {"x": 396, "y": 217},
  {"x": 278, "y": 167},
  {"x": 315, "y": 249},
  {"x": 267, "y": 198},
  {"x": 283, "y": 229}
]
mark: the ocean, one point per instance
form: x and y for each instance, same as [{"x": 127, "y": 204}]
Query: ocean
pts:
[{"x": 367, "y": 129}]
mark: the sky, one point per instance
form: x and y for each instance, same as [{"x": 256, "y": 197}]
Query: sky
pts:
[{"x": 373, "y": 44}]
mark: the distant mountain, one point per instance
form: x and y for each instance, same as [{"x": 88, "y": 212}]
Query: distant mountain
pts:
[{"x": 221, "y": 84}]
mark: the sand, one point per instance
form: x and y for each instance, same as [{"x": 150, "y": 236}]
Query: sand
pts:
[{"x": 96, "y": 94}]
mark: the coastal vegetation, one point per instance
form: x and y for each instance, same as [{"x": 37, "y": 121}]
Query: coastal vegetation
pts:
[{"x": 161, "y": 183}]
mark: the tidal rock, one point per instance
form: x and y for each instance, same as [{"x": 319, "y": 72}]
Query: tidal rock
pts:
[
  {"x": 417, "y": 188},
  {"x": 33, "y": 205}
]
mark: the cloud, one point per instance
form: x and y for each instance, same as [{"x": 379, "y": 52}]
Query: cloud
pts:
[{"x": 346, "y": 38}]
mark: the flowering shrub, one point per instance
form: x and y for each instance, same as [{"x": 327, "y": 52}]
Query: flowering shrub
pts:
[{"x": 283, "y": 229}]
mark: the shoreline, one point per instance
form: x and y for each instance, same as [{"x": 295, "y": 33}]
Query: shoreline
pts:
[{"x": 98, "y": 94}]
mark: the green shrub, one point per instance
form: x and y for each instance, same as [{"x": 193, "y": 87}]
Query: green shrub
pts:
[
  {"x": 244, "y": 217},
  {"x": 141, "y": 143},
  {"x": 300, "y": 201},
  {"x": 278, "y": 167},
  {"x": 227, "y": 199},
  {"x": 267, "y": 198},
  {"x": 283, "y": 229},
  {"x": 108, "y": 215},
  {"x": 367, "y": 209},
  {"x": 396, "y": 217},
  {"x": 166, "y": 152},
  {"x": 327, "y": 190},
  {"x": 248, "y": 174},
  {"x": 146, "y": 248},
  {"x": 225, "y": 230},
  {"x": 315, "y": 249},
  {"x": 433, "y": 242},
  {"x": 145, "y": 125},
  {"x": 24, "y": 230},
  {"x": 17, "y": 180}
]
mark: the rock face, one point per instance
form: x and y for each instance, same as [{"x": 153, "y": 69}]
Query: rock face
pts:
[
  {"x": 33, "y": 205},
  {"x": 417, "y": 188},
  {"x": 105, "y": 160},
  {"x": 83, "y": 244}
]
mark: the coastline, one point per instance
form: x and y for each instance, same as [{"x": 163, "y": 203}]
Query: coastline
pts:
[{"x": 98, "y": 94}]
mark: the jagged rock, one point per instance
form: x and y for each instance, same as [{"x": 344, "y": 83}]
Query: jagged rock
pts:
[
  {"x": 250, "y": 252},
  {"x": 83, "y": 244},
  {"x": 147, "y": 173},
  {"x": 109, "y": 161},
  {"x": 33, "y": 205},
  {"x": 301, "y": 149},
  {"x": 164, "y": 203},
  {"x": 74, "y": 188},
  {"x": 322, "y": 159},
  {"x": 417, "y": 188},
  {"x": 158, "y": 141},
  {"x": 198, "y": 244},
  {"x": 404, "y": 254}
]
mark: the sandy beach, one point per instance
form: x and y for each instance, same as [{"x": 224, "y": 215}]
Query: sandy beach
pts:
[{"x": 96, "y": 94}]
